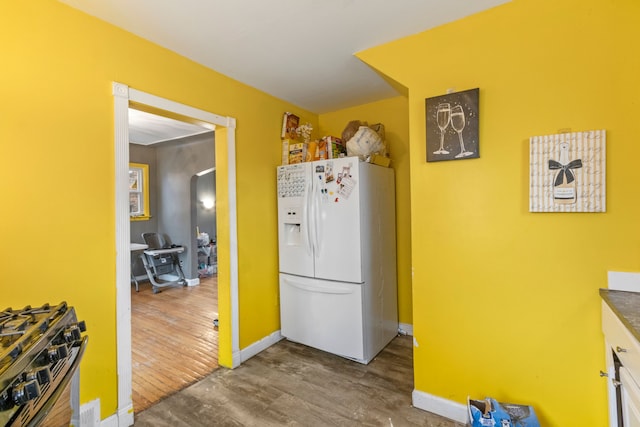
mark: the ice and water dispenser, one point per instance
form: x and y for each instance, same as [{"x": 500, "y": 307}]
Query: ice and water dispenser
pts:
[
  {"x": 292, "y": 227},
  {"x": 291, "y": 188}
]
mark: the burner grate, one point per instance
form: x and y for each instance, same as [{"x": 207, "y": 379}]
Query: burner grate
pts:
[{"x": 40, "y": 350}]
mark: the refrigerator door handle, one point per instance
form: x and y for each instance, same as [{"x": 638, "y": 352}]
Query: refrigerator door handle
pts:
[
  {"x": 316, "y": 219},
  {"x": 334, "y": 290},
  {"x": 312, "y": 213},
  {"x": 306, "y": 215}
]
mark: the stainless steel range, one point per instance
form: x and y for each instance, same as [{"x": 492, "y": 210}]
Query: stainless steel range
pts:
[{"x": 40, "y": 350}]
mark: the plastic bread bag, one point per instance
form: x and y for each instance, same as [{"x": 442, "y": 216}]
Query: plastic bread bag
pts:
[{"x": 365, "y": 142}]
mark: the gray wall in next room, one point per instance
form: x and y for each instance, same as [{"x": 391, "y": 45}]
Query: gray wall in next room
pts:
[
  {"x": 173, "y": 207},
  {"x": 206, "y": 218},
  {"x": 177, "y": 164}
]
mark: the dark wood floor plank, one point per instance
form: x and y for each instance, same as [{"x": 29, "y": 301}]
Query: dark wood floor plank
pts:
[{"x": 291, "y": 384}]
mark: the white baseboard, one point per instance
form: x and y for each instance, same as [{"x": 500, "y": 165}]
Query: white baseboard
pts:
[
  {"x": 405, "y": 329},
  {"x": 236, "y": 359},
  {"x": 111, "y": 421},
  {"x": 446, "y": 408},
  {"x": 124, "y": 418},
  {"x": 255, "y": 348},
  {"x": 193, "y": 282}
]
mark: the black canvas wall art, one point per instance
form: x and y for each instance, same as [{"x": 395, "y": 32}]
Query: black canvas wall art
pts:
[{"x": 452, "y": 126}]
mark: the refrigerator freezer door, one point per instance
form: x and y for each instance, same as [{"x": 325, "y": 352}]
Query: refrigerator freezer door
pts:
[
  {"x": 337, "y": 234},
  {"x": 294, "y": 240},
  {"x": 322, "y": 314}
]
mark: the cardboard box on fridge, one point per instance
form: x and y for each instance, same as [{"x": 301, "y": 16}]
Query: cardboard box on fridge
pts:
[
  {"x": 297, "y": 152},
  {"x": 312, "y": 151},
  {"x": 293, "y": 151},
  {"x": 289, "y": 125},
  {"x": 285, "y": 151},
  {"x": 334, "y": 147},
  {"x": 322, "y": 152}
]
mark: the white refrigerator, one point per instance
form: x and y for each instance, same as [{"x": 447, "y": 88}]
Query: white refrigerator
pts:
[{"x": 337, "y": 256}]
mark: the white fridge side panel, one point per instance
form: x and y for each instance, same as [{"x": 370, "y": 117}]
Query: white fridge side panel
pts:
[
  {"x": 322, "y": 314},
  {"x": 379, "y": 252},
  {"x": 295, "y": 252},
  {"x": 337, "y": 200}
]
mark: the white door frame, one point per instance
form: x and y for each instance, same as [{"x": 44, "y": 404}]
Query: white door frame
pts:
[{"x": 123, "y": 95}]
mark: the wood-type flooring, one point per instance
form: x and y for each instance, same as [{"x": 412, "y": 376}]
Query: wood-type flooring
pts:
[
  {"x": 174, "y": 343},
  {"x": 294, "y": 385}
]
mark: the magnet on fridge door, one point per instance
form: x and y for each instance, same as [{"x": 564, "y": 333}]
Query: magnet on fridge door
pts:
[{"x": 328, "y": 175}]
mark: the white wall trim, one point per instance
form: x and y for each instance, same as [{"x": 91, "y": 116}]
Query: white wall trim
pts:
[
  {"x": 446, "y": 408},
  {"x": 112, "y": 421},
  {"x": 233, "y": 239},
  {"x": 122, "y": 96},
  {"x": 193, "y": 282},
  {"x": 405, "y": 329},
  {"x": 258, "y": 346},
  {"x": 123, "y": 246}
]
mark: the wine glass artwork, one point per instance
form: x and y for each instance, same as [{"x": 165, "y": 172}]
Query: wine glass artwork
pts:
[
  {"x": 458, "y": 123},
  {"x": 443, "y": 117},
  {"x": 452, "y": 119}
]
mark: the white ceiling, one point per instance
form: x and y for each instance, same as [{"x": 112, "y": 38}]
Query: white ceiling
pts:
[
  {"x": 146, "y": 128},
  {"x": 301, "y": 51}
]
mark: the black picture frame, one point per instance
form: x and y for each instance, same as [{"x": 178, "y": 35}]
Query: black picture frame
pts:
[{"x": 452, "y": 126}]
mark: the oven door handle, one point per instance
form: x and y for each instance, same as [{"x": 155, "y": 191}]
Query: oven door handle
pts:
[{"x": 51, "y": 401}]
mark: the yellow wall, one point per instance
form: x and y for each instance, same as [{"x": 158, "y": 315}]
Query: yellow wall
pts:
[
  {"x": 57, "y": 179},
  {"x": 505, "y": 302},
  {"x": 394, "y": 114}
]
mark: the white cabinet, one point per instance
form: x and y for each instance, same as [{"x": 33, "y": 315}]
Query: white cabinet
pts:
[
  {"x": 623, "y": 369},
  {"x": 630, "y": 395}
]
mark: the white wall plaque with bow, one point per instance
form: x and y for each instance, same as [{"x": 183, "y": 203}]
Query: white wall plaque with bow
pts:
[{"x": 567, "y": 172}]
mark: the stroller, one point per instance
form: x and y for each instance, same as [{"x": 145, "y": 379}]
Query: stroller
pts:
[{"x": 161, "y": 262}]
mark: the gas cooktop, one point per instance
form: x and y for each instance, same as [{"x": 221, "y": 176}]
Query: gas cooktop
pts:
[{"x": 40, "y": 350}]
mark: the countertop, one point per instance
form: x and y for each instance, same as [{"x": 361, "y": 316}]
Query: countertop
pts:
[{"x": 626, "y": 305}]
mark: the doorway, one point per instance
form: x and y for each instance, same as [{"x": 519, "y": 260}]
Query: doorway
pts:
[
  {"x": 229, "y": 354},
  {"x": 175, "y": 155}
]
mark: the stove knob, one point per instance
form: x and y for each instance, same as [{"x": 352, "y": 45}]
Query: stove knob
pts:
[
  {"x": 5, "y": 401},
  {"x": 24, "y": 392},
  {"x": 72, "y": 332},
  {"x": 57, "y": 352},
  {"x": 15, "y": 351},
  {"x": 41, "y": 375}
]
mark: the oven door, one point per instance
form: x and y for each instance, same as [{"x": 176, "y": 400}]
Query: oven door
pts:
[{"x": 57, "y": 410}]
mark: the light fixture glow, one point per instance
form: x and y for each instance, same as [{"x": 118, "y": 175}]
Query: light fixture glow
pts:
[{"x": 207, "y": 203}]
